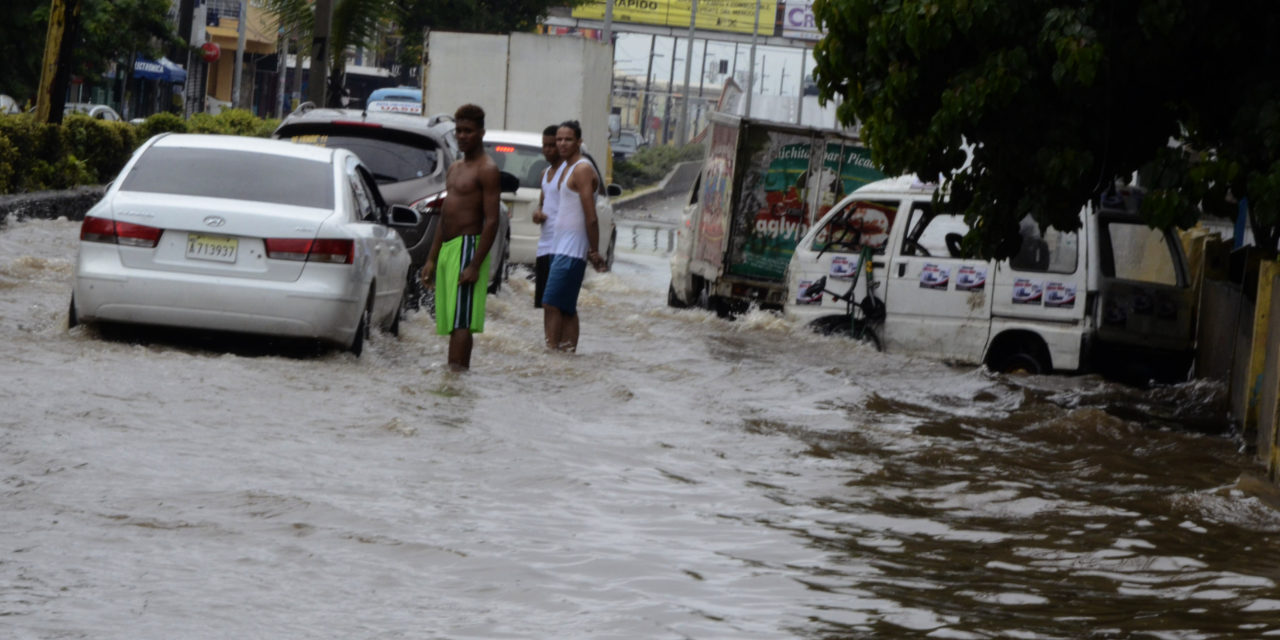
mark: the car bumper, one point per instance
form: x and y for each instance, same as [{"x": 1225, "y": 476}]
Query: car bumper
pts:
[{"x": 324, "y": 303}]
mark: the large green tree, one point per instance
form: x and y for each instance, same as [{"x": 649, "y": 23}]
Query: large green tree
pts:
[
  {"x": 110, "y": 31},
  {"x": 1055, "y": 100}
]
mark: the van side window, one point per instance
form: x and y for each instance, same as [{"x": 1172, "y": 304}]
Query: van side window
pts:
[
  {"x": 861, "y": 222},
  {"x": 1053, "y": 251},
  {"x": 933, "y": 234},
  {"x": 1137, "y": 252}
]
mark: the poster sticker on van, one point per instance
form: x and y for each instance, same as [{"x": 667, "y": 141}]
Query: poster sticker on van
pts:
[
  {"x": 1028, "y": 291},
  {"x": 1060, "y": 295},
  {"x": 842, "y": 267},
  {"x": 971, "y": 278},
  {"x": 936, "y": 277}
]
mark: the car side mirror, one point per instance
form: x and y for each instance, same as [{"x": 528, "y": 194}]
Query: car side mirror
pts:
[
  {"x": 613, "y": 190},
  {"x": 403, "y": 216},
  {"x": 510, "y": 183}
]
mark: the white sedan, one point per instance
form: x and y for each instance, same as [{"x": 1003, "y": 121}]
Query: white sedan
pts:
[
  {"x": 245, "y": 235},
  {"x": 520, "y": 154}
]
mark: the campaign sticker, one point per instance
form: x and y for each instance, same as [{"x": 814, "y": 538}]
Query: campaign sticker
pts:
[
  {"x": 1060, "y": 295},
  {"x": 842, "y": 267},
  {"x": 971, "y": 278},
  {"x": 803, "y": 299},
  {"x": 1027, "y": 291},
  {"x": 933, "y": 276}
]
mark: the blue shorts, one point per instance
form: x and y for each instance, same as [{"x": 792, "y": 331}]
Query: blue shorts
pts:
[{"x": 563, "y": 284}]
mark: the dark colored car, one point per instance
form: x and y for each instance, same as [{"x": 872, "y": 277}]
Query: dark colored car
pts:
[{"x": 408, "y": 156}]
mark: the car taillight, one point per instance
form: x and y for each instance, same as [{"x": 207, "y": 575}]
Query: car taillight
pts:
[
  {"x": 332, "y": 251},
  {"x": 430, "y": 205},
  {"x": 328, "y": 250},
  {"x": 95, "y": 229}
]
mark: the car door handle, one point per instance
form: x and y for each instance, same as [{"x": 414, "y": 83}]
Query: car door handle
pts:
[{"x": 902, "y": 269}]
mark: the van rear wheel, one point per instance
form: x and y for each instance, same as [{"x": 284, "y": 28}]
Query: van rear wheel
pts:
[{"x": 1024, "y": 357}]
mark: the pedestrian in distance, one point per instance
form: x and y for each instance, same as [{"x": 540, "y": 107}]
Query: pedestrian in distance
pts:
[
  {"x": 577, "y": 240},
  {"x": 457, "y": 266},
  {"x": 545, "y": 215}
]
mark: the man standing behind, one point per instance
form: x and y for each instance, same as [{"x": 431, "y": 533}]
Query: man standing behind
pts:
[
  {"x": 548, "y": 205},
  {"x": 577, "y": 240},
  {"x": 458, "y": 264}
]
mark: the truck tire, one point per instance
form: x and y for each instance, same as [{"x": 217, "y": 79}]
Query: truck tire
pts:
[
  {"x": 1021, "y": 354},
  {"x": 673, "y": 300},
  {"x": 842, "y": 326},
  {"x": 608, "y": 259}
]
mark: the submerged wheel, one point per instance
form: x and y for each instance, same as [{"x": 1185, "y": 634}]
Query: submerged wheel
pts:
[
  {"x": 394, "y": 327},
  {"x": 1021, "y": 355},
  {"x": 362, "y": 329},
  {"x": 849, "y": 328},
  {"x": 608, "y": 259},
  {"x": 73, "y": 318},
  {"x": 673, "y": 300}
]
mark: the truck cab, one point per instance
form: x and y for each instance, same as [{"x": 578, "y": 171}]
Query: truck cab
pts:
[{"x": 1113, "y": 297}]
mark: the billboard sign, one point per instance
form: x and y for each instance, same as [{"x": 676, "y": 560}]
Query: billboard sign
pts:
[{"x": 738, "y": 16}]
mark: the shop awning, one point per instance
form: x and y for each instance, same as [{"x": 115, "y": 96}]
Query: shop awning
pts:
[{"x": 165, "y": 70}]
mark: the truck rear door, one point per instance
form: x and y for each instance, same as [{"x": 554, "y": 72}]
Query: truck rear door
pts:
[{"x": 1144, "y": 295}]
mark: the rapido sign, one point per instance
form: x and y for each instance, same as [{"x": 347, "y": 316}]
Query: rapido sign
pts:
[{"x": 714, "y": 15}]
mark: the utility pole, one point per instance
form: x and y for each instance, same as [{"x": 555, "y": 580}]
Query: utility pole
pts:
[
  {"x": 648, "y": 81},
  {"x": 755, "y": 35},
  {"x": 683, "y": 137},
  {"x": 238, "y": 73},
  {"x": 55, "y": 67},
  {"x": 318, "y": 78},
  {"x": 671, "y": 81}
]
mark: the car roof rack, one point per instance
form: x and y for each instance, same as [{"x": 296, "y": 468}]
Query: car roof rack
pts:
[{"x": 438, "y": 118}]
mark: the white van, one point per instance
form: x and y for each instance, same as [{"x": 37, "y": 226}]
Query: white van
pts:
[{"x": 1114, "y": 297}]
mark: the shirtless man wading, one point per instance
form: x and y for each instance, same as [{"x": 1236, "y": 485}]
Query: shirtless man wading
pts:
[{"x": 458, "y": 265}]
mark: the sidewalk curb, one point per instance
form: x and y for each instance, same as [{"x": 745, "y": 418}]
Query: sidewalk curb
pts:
[
  {"x": 69, "y": 203},
  {"x": 679, "y": 179}
]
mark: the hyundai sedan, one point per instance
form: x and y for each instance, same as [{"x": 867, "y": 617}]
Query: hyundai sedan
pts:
[{"x": 246, "y": 235}]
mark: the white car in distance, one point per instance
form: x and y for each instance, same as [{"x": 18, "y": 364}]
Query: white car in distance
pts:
[
  {"x": 520, "y": 154},
  {"x": 247, "y": 235}
]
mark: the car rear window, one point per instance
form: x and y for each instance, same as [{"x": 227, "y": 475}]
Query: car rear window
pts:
[
  {"x": 521, "y": 161},
  {"x": 388, "y": 160},
  {"x": 229, "y": 173}
]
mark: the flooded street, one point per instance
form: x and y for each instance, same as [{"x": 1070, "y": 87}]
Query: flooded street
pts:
[{"x": 680, "y": 477}]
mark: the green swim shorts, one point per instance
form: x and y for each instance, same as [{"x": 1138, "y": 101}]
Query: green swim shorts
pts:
[{"x": 459, "y": 306}]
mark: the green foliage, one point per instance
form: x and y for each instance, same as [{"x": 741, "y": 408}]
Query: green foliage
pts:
[
  {"x": 650, "y": 165},
  {"x": 35, "y": 156},
  {"x": 101, "y": 146},
  {"x": 163, "y": 122},
  {"x": 1041, "y": 105}
]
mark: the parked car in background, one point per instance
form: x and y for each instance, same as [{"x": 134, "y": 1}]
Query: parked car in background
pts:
[
  {"x": 395, "y": 100},
  {"x": 628, "y": 143},
  {"x": 95, "y": 111},
  {"x": 243, "y": 234},
  {"x": 8, "y": 105},
  {"x": 408, "y": 156},
  {"x": 520, "y": 153}
]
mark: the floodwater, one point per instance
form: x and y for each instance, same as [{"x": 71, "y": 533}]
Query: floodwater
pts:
[{"x": 680, "y": 477}]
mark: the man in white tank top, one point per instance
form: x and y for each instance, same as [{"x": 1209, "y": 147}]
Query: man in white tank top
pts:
[
  {"x": 576, "y": 241},
  {"x": 545, "y": 215}
]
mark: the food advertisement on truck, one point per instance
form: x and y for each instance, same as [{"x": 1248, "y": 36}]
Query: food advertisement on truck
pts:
[{"x": 793, "y": 178}]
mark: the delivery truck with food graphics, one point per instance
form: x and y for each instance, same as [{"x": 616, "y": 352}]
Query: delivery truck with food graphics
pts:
[
  {"x": 1113, "y": 296},
  {"x": 762, "y": 185}
]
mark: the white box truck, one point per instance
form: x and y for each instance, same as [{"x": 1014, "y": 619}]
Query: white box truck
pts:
[{"x": 762, "y": 185}]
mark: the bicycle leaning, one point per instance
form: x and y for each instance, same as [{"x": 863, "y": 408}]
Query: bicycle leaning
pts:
[{"x": 861, "y": 319}]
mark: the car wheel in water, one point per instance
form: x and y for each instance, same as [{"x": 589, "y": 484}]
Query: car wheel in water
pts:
[
  {"x": 362, "y": 329},
  {"x": 844, "y": 326},
  {"x": 613, "y": 242},
  {"x": 394, "y": 327},
  {"x": 73, "y": 318},
  {"x": 1019, "y": 362}
]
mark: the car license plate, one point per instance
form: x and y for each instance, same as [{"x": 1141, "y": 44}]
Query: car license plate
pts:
[{"x": 216, "y": 248}]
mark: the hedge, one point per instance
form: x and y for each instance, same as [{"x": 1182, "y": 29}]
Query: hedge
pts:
[
  {"x": 36, "y": 156},
  {"x": 651, "y": 164}
]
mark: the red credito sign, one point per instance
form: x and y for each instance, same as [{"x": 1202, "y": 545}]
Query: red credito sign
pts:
[{"x": 210, "y": 51}]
